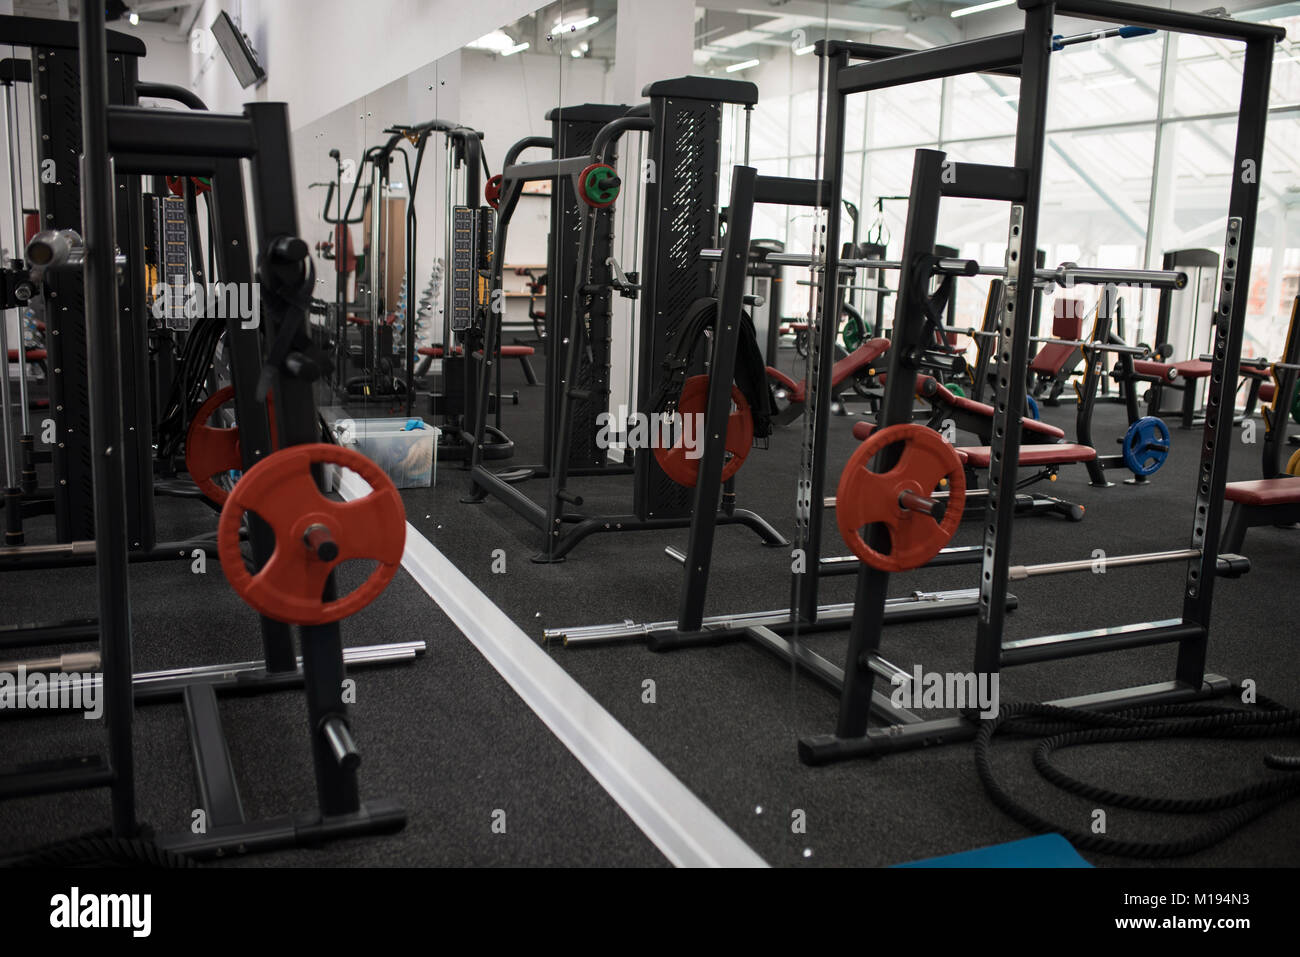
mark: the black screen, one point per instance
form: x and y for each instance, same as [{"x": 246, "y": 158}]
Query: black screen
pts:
[{"x": 247, "y": 70}]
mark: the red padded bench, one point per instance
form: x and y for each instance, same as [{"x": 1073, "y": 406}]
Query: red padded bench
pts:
[
  {"x": 1063, "y": 453},
  {"x": 33, "y": 355},
  {"x": 796, "y": 393},
  {"x": 1174, "y": 375},
  {"x": 1044, "y": 457},
  {"x": 977, "y": 417},
  {"x": 522, "y": 353},
  {"x": 1274, "y": 501},
  {"x": 1058, "y": 359}
]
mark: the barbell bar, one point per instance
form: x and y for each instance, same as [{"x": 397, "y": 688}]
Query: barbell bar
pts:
[
  {"x": 1230, "y": 564},
  {"x": 1066, "y": 274}
]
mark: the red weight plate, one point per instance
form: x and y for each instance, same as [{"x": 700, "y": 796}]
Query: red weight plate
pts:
[
  {"x": 683, "y": 468},
  {"x": 865, "y": 497},
  {"x": 280, "y": 489},
  {"x": 211, "y": 451},
  {"x": 492, "y": 191}
]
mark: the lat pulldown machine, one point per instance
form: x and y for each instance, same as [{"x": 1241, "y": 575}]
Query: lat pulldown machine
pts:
[{"x": 684, "y": 120}]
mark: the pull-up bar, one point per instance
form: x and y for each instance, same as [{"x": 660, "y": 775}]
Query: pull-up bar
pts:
[
  {"x": 1157, "y": 18},
  {"x": 1118, "y": 348},
  {"x": 1059, "y": 42}
]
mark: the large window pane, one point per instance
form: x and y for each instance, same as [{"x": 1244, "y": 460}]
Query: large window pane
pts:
[
  {"x": 905, "y": 114},
  {"x": 1106, "y": 81}
]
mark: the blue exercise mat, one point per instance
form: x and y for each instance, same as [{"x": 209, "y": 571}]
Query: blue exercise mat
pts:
[{"x": 1046, "y": 850}]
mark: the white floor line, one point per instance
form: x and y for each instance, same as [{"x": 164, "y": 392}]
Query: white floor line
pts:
[{"x": 677, "y": 822}]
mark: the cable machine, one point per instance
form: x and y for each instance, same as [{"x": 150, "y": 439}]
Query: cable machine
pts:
[{"x": 684, "y": 122}]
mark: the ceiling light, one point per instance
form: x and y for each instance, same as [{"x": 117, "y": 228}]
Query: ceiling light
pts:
[
  {"x": 576, "y": 54},
  {"x": 575, "y": 26},
  {"x": 981, "y": 7},
  {"x": 742, "y": 65},
  {"x": 134, "y": 18},
  {"x": 517, "y": 48},
  {"x": 494, "y": 42},
  {"x": 803, "y": 51}
]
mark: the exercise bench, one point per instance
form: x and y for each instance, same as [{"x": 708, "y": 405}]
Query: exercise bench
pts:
[{"x": 1274, "y": 501}]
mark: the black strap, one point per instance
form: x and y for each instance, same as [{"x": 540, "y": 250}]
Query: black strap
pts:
[
  {"x": 751, "y": 370},
  {"x": 291, "y": 308}
]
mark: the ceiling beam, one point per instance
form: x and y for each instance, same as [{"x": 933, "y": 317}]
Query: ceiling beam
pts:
[
  {"x": 150, "y": 6},
  {"x": 845, "y": 17}
]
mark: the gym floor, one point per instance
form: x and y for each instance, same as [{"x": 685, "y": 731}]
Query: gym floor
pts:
[{"x": 448, "y": 737}]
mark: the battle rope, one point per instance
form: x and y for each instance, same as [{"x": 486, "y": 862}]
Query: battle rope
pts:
[
  {"x": 99, "y": 850},
  {"x": 751, "y": 372},
  {"x": 1072, "y": 727}
]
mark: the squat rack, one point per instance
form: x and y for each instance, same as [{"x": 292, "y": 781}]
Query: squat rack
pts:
[
  {"x": 1023, "y": 54},
  {"x": 1026, "y": 54}
]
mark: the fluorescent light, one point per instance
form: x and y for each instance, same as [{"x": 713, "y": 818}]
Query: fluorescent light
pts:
[
  {"x": 495, "y": 42},
  {"x": 742, "y": 65},
  {"x": 575, "y": 26},
  {"x": 517, "y": 48},
  {"x": 134, "y": 18},
  {"x": 803, "y": 51},
  {"x": 576, "y": 54},
  {"x": 981, "y": 7}
]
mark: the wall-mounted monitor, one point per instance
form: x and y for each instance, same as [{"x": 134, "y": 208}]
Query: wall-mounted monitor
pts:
[{"x": 242, "y": 59}]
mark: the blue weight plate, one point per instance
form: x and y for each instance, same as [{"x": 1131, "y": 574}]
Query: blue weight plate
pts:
[{"x": 1146, "y": 445}]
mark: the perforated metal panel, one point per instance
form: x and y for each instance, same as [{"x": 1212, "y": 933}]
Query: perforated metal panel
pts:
[
  {"x": 681, "y": 221},
  {"x": 56, "y": 80}
]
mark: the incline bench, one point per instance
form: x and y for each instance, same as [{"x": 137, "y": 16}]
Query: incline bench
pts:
[
  {"x": 976, "y": 417},
  {"x": 796, "y": 393}
]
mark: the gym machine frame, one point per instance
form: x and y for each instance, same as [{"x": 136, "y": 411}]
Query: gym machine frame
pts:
[
  {"x": 672, "y": 279},
  {"x": 768, "y": 628},
  {"x": 70, "y": 500},
  {"x": 134, "y": 141},
  {"x": 573, "y": 129},
  {"x": 1027, "y": 53}
]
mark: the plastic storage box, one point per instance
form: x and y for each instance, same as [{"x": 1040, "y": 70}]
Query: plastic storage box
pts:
[{"x": 408, "y": 456}]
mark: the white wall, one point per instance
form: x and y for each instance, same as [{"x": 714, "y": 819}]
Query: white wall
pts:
[
  {"x": 654, "y": 41},
  {"x": 507, "y": 98},
  {"x": 322, "y": 54},
  {"x": 167, "y": 56}
]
